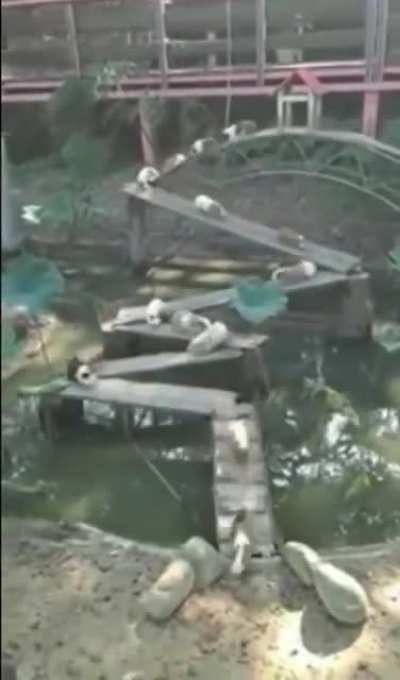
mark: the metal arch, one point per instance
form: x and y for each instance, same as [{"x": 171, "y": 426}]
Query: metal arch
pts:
[{"x": 347, "y": 158}]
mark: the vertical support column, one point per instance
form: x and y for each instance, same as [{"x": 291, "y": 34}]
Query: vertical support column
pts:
[
  {"x": 261, "y": 39},
  {"x": 377, "y": 12},
  {"x": 212, "y": 58},
  {"x": 137, "y": 245},
  {"x": 162, "y": 41},
  {"x": 73, "y": 37},
  {"x": 146, "y": 133},
  {"x": 370, "y": 117}
]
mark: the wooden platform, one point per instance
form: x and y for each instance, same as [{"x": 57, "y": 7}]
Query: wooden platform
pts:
[
  {"x": 175, "y": 398},
  {"x": 130, "y": 315},
  {"x": 245, "y": 229},
  {"x": 242, "y": 482}
]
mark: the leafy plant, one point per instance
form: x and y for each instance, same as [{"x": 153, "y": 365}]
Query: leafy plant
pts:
[
  {"x": 71, "y": 108},
  {"x": 256, "y": 300},
  {"x": 80, "y": 203}
]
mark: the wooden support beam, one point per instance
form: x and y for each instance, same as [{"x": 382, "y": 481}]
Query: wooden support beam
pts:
[
  {"x": 370, "y": 116},
  {"x": 73, "y": 37},
  {"x": 377, "y": 12},
  {"x": 261, "y": 39},
  {"x": 146, "y": 133},
  {"x": 162, "y": 40}
]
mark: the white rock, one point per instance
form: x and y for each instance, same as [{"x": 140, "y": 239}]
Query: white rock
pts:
[
  {"x": 170, "y": 591},
  {"x": 146, "y": 176},
  {"x": 301, "y": 559},
  {"x": 344, "y": 598},
  {"x": 207, "y": 563}
]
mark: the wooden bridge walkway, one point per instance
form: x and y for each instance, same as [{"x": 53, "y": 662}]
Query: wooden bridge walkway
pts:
[{"x": 329, "y": 258}]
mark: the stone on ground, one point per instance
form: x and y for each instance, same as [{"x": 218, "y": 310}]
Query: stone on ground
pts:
[
  {"x": 207, "y": 562},
  {"x": 301, "y": 559},
  {"x": 169, "y": 591},
  {"x": 344, "y": 598}
]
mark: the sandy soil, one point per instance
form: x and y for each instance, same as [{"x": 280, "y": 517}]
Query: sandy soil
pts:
[{"x": 70, "y": 610}]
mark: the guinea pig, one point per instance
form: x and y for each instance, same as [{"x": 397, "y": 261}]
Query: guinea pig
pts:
[{"x": 79, "y": 372}]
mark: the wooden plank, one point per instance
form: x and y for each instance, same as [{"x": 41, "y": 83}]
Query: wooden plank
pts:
[
  {"x": 166, "y": 332},
  {"x": 156, "y": 396},
  {"x": 246, "y": 229},
  {"x": 231, "y": 497},
  {"x": 159, "y": 362},
  {"x": 217, "y": 299}
]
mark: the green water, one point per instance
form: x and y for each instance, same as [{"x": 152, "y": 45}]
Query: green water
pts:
[{"x": 325, "y": 496}]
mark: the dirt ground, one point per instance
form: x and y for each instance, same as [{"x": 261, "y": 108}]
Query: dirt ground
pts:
[{"x": 70, "y": 609}]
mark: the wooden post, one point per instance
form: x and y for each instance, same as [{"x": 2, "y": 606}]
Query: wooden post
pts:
[
  {"x": 138, "y": 232},
  {"x": 212, "y": 58},
  {"x": 370, "y": 116},
  {"x": 146, "y": 133},
  {"x": 261, "y": 39},
  {"x": 162, "y": 41},
  {"x": 356, "y": 314},
  {"x": 73, "y": 37},
  {"x": 375, "y": 55}
]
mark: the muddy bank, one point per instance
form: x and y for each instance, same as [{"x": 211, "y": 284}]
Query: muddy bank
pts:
[{"x": 70, "y": 610}]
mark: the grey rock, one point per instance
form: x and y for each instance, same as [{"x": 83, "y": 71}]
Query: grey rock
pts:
[
  {"x": 300, "y": 558},
  {"x": 207, "y": 563},
  {"x": 169, "y": 591},
  {"x": 344, "y": 598}
]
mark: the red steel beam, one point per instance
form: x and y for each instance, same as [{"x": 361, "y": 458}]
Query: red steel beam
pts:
[{"x": 204, "y": 92}]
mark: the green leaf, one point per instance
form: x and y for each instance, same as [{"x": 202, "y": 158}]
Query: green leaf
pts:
[{"x": 256, "y": 300}]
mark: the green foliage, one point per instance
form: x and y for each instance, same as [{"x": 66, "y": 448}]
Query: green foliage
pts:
[
  {"x": 255, "y": 300},
  {"x": 9, "y": 345},
  {"x": 79, "y": 204},
  {"x": 85, "y": 160},
  {"x": 195, "y": 121},
  {"x": 71, "y": 107}
]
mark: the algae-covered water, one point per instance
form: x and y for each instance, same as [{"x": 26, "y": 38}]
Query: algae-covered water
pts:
[{"x": 333, "y": 455}]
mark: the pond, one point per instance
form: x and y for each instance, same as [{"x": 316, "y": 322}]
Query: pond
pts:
[{"x": 333, "y": 457}]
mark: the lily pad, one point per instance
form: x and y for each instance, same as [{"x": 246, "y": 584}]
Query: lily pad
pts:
[
  {"x": 256, "y": 300},
  {"x": 387, "y": 335}
]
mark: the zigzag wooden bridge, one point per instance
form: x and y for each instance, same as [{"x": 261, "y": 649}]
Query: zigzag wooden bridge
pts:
[{"x": 237, "y": 485}]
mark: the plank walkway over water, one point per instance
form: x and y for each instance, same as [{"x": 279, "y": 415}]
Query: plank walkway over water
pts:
[
  {"x": 241, "y": 482},
  {"x": 246, "y": 229},
  {"x": 162, "y": 396},
  {"x": 160, "y": 362},
  {"x": 167, "y": 332},
  {"x": 129, "y": 315}
]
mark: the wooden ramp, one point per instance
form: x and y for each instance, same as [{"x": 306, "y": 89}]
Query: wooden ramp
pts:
[
  {"x": 241, "y": 481},
  {"x": 117, "y": 368},
  {"x": 218, "y": 298},
  {"x": 175, "y": 398},
  {"x": 246, "y": 229}
]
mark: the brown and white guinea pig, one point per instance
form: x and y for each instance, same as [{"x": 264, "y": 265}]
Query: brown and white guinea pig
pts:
[
  {"x": 80, "y": 372},
  {"x": 239, "y": 130}
]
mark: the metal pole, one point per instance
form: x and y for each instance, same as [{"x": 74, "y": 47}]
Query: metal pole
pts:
[{"x": 261, "y": 39}]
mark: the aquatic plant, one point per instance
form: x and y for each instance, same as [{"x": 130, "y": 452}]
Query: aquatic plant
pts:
[{"x": 256, "y": 300}]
